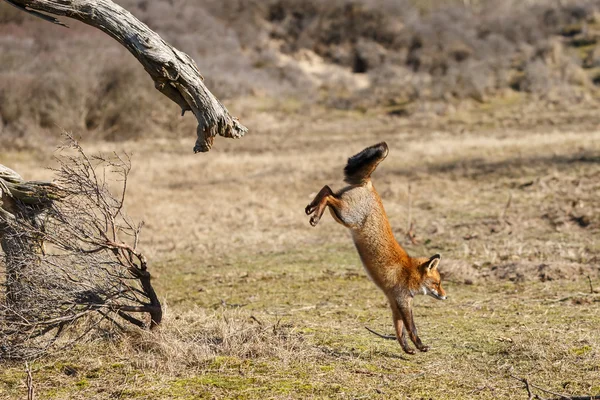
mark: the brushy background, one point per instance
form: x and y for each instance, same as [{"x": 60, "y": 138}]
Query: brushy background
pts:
[{"x": 406, "y": 58}]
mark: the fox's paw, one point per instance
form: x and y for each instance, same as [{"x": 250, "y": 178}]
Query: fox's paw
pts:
[
  {"x": 408, "y": 350},
  {"x": 423, "y": 348},
  {"x": 314, "y": 220},
  {"x": 310, "y": 209}
]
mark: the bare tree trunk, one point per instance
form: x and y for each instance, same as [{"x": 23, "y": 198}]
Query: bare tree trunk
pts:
[
  {"x": 17, "y": 248},
  {"x": 175, "y": 74}
]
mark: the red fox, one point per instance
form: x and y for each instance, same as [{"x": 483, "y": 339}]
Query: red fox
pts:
[{"x": 359, "y": 208}]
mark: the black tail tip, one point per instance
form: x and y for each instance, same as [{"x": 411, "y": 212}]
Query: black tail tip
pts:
[
  {"x": 377, "y": 151},
  {"x": 361, "y": 165},
  {"x": 382, "y": 147}
]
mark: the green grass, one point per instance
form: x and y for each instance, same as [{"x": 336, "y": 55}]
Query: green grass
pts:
[{"x": 545, "y": 332}]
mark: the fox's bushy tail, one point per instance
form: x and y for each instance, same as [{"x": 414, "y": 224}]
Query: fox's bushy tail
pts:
[{"x": 361, "y": 166}]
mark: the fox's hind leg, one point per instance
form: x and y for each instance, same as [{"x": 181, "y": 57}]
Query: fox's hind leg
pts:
[
  {"x": 409, "y": 324},
  {"x": 400, "y": 328},
  {"x": 324, "y": 198}
]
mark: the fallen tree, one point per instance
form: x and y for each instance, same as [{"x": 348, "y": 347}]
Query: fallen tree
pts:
[
  {"x": 175, "y": 74},
  {"x": 71, "y": 257}
]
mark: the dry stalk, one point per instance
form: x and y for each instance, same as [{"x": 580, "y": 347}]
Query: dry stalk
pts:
[
  {"x": 559, "y": 396},
  {"x": 30, "y": 388},
  {"x": 410, "y": 228}
]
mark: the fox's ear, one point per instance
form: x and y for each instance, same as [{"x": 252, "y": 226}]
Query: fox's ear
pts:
[{"x": 433, "y": 262}]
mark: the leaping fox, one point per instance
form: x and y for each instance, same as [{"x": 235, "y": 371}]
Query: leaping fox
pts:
[{"x": 359, "y": 208}]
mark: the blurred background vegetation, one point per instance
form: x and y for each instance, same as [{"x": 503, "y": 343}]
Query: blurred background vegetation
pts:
[{"x": 405, "y": 58}]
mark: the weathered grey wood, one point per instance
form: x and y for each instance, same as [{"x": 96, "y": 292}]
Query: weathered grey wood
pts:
[
  {"x": 19, "y": 248},
  {"x": 175, "y": 74}
]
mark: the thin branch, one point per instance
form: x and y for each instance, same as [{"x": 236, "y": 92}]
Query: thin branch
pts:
[
  {"x": 409, "y": 216},
  {"x": 530, "y": 395},
  {"x": 131, "y": 319},
  {"x": 559, "y": 395},
  {"x": 506, "y": 207}
]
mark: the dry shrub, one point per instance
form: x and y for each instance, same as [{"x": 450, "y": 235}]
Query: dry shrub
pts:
[
  {"x": 109, "y": 99},
  {"x": 449, "y": 52},
  {"x": 71, "y": 260},
  {"x": 340, "y": 31}
]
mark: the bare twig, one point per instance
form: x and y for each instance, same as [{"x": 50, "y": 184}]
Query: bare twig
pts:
[
  {"x": 387, "y": 337},
  {"x": 30, "y": 388},
  {"x": 411, "y": 235},
  {"x": 591, "y": 286},
  {"x": 506, "y": 207},
  {"x": 530, "y": 395},
  {"x": 410, "y": 227},
  {"x": 409, "y": 216}
]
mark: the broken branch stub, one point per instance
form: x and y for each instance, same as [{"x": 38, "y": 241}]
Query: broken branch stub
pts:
[{"x": 175, "y": 74}]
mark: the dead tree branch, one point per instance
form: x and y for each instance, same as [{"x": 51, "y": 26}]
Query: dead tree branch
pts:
[
  {"x": 70, "y": 256},
  {"x": 174, "y": 73}
]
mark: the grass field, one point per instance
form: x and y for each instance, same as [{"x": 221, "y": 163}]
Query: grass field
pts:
[{"x": 261, "y": 305}]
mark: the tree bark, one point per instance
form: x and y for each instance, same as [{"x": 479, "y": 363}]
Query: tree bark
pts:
[
  {"x": 19, "y": 248},
  {"x": 175, "y": 74}
]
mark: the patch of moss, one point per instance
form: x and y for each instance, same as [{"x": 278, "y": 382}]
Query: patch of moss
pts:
[
  {"x": 225, "y": 361},
  {"x": 82, "y": 383},
  {"x": 580, "y": 351},
  {"x": 220, "y": 381},
  {"x": 10, "y": 380}
]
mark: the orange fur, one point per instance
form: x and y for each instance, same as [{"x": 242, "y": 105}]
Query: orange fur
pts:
[{"x": 359, "y": 208}]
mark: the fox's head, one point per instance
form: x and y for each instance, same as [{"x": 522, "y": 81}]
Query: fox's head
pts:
[{"x": 431, "y": 279}]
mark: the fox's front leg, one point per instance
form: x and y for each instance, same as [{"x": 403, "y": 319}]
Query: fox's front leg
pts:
[
  {"x": 405, "y": 307},
  {"x": 324, "y": 198},
  {"x": 399, "y": 327}
]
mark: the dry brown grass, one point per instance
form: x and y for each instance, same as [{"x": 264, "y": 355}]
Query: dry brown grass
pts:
[
  {"x": 190, "y": 341},
  {"x": 228, "y": 241},
  {"x": 255, "y": 189}
]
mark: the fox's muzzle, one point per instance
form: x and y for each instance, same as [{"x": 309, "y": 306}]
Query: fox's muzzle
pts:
[{"x": 435, "y": 295}]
